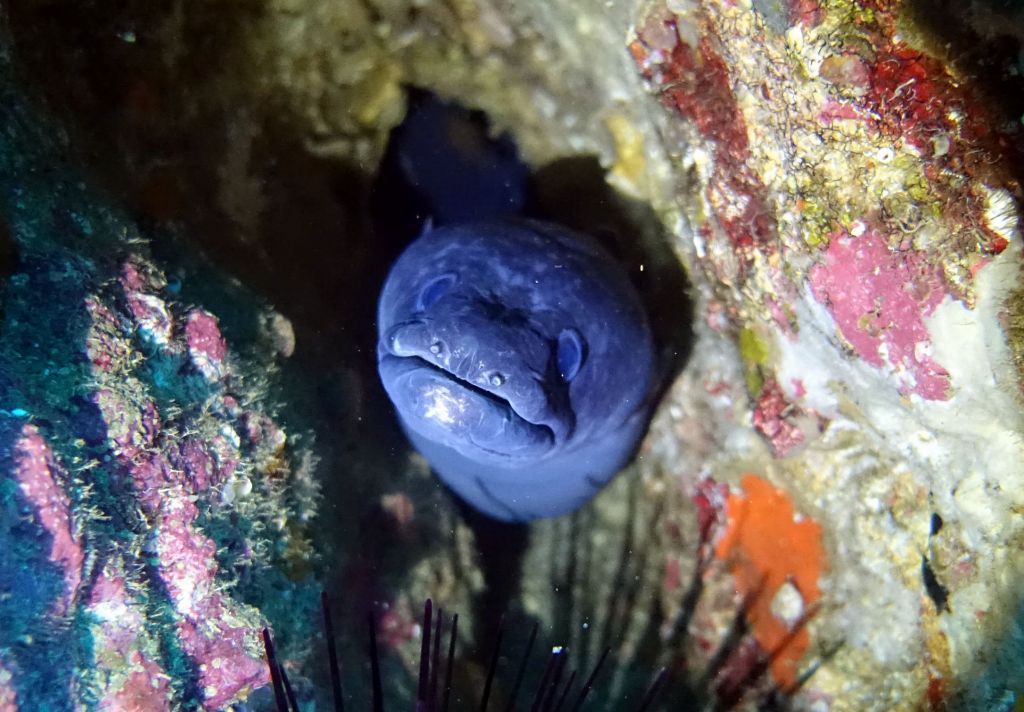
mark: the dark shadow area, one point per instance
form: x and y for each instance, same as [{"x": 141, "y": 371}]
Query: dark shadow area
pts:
[
  {"x": 500, "y": 548},
  {"x": 984, "y": 41},
  {"x": 443, "y": 164},
  {"x": 8, "y": 259},
  {"x": 8, "y": 251},
  {"x": 123, "y": 77}
]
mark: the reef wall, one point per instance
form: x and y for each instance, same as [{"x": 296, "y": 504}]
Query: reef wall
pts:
[
  {"x": 154, "y": 510},
  {"x": 856, "y": 240}
]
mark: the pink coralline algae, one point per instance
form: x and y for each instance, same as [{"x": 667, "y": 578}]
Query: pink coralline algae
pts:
[
  {"x": 153, "y": 450},
  {"x": 41, "y": 482},
  {"x": 150, "y": 312},
  {"x": 709, "y": 498},
  {"x": 152, "y": 316},
  {"x": 206, "y": 346},
  {"x": 228, "y": 652},
  {"x": 170, "y": 480},
  {"x": 123, "y": 647},
  {"x": 187, "y": 564},
  {"x": 8, "y": 698},
  {"x": 195, "y": 461},
  {"x": 879, "y": 299},
  {"x": 774, "y": 417}
]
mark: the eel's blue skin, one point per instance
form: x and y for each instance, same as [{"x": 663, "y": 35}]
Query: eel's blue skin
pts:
[
  {"x": 457, "y": 170},
  {"x": 520, "y": 362},
  {"x": 516, "y": 352}
]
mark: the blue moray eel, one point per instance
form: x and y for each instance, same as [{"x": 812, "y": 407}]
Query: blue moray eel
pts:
[
  {"x": 520, "y": 362},
  {"x": 516, "y": 353}
]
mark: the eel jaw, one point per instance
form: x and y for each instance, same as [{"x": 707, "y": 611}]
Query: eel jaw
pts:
[{"x": 439, "y": 405}]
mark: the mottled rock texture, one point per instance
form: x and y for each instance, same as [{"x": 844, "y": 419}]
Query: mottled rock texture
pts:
[
  {"x": 154, "y": 510},
  {"x": 856, "y": 234}
]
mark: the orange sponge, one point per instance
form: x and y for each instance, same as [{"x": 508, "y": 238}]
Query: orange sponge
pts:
[{"x": 765, "y": 545}]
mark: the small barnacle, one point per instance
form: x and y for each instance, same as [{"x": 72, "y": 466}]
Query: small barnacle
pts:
[
  {"x": 236, "y": 489},
  {"x": 885, "y": 154},
  {"x": 941, "y": 143}
]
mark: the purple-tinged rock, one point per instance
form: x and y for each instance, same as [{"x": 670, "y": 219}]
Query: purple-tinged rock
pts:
[
  {"x": 150, "y": 312},
  {"x": 134, "y": 679},
  {"x": 41, "y": 482},
  {"x": 8, "y": 698},
  {"x": 128, "y": 580},
  {"x": 104, "y": 346},
  {"x": 206, "y": 346},
  {"x": 196, "y": 462}
]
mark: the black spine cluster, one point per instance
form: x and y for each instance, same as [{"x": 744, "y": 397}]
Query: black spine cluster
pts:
[
  {"x": 433, "y": 695},
  {"x": 433, "y": 690}
]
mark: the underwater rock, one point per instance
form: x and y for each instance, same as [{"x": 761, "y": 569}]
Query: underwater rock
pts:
[
  {"x": 123, "y": 523},
  {"x": 155, "y": 448},
  {"x": 150, "y": 499},
  {"x": 854, "y": 233},
  {"x": 41, "y": 481}
]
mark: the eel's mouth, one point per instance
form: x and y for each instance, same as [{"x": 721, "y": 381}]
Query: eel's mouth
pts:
[{"x": 445, "y": 408}]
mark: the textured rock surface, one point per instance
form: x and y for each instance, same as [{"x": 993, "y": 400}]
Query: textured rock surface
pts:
[
  {"x": 856, "y": 234},
  {"x": 149, "y": 502}
]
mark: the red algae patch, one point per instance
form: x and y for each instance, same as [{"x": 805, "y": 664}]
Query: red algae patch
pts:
[
  {"x": 698, "y": 86},
  {"x": 767, "y": 546},
  {"x": 879, "y": 299}
]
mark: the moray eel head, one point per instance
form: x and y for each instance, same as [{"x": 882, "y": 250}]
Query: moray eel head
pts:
[
  {"x": 517, "y": 357},
  {"x": 452, "y": 373}
]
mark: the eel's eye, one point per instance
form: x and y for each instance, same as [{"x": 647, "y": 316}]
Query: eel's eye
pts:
[
  {"x": 570, "y": 353},
  {"x": 435, "y": 289}
]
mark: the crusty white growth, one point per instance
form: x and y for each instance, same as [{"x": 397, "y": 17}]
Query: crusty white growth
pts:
[{"x": 962, "y": 458}]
